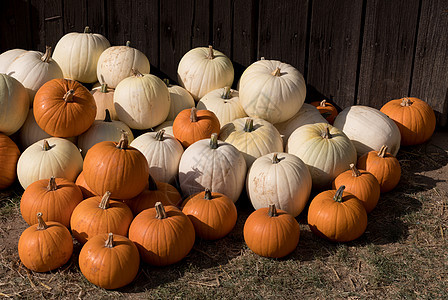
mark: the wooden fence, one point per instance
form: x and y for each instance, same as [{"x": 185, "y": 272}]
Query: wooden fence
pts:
[{"x": 350, "y": 51}]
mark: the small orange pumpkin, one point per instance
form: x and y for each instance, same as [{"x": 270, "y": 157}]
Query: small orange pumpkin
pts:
[
  {"x": 9, "y": 155},
  {"x": 326, "y": 109}
]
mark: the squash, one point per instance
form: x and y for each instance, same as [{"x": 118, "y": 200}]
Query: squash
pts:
[
  {"x": 326, "y": 109},
  {"x": 414, "y": 117},
  {"x": 117, "y": 62},
  {"x": 14, "y": 104},
  {"x": 326, "y": 150},
  {"x": 7, "y": 57},
  {"x": 77, "y": 54},
  {"x": 85, "y": 189},
  {"x": 271, "y": 233},
  {"x": 142, "y": 101},
  {"x": 282, "y": 179},
  {"x": 272, "y": 90},
  {"x": 337, "y": 216},
  {"x": 104, "y": 99},
  {"x": 180, "y": 99},
  {"x": 9, "y": 155},
  {"x": 203, "y": 69}
]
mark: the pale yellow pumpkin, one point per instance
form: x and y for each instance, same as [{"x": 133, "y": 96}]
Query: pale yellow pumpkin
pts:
[
  {"x": 167, "y": 126},
  {"x": 7, "y": 57},
  {"x": 14, "y": 104},
  {"x": 180, "y": 99},
  {"x": 104, "y": 99}
]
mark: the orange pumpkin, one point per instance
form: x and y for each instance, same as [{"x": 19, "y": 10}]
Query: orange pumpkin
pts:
[
  {"x": 85, "y": 189},
  {"x": 116, "y": 167},
  {"x": 360, "y": 183},
  {"x": 213, "y": 214},
  {"x": 414, "y": 117},
  {"x": 337, "y": 215},
  {"x": 55, "y": 198},
  {"x": 64, "y": 108},
  {"x": 271, "y": 233},
  {"x": 163, "y": 235},
  {"x": 9, "y": 155},
  {"x": 384, "y": 166},
  {"x": 192, "y": 125},
  {"x": 45, "y": 246},
  {"x": 326, "y": 109}
]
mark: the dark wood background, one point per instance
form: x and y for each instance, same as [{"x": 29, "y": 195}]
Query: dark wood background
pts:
[{"x": 349, "y": 51}]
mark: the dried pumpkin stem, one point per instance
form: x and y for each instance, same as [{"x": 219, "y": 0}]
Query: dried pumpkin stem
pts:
[
  {"x": 124, "y": 142},
  {"x": 208, "y": 194},
  {"x": 41, "y": 225},
  {"x": 107, "y": 118},
  {"x": 104, "y": 88},
  {"x": 211, "y": 55},
  {"x": 193, "y": 115},
  {"x": 167, "y": 82},
  {"x": 159, "y": 135},
  {"x": 69, "y": 96},
  {"x": 152, "y": 184},
  {"x": 355, "y": 171},
  {"x": 226, "y": 94},
  {"x": 128, "y": 43},
  {"x": 214, "y": 141},
  {"x": 87, "y": 29},
  {"x": 338, "y": 195},
  {"x": 249, "y": 126},
  {"x": 52, "y": 186},
  {"x": 272, "y": 212},
  {"x": 110, "y": 241},
  {"x": 323, "y": 103},
  {"x": 47, "y": 55},
  {"x": 382, "y": 151},
  {"x": 276, "y": 72},
  {"x": 160, "y": 211},
  {"x": 46, "y": 146},
  {"x": 406, "y": 102},
  {"x": 275, "y": 159},
  {"x": 104, "y": 204},
  {"x": 136, "y": 73},
  {"x": 326, "y": 134}
]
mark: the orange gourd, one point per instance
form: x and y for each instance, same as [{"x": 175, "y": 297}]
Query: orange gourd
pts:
[
  {"x": 9, "y": 155},
  {"x": 85, "y": 189},
  {"x": 326, "y": 109}
]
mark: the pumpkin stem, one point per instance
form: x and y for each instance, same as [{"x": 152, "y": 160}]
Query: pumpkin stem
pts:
[
  {"x": 52, "y": 186},
  {"x": 152, "y": 184},
  {"x": 326, "y": 134},
  {"x": 160, "y": 211},
  {"x": 69, "y": 96},
  {"x": 159, "y": 135},
  {"x": 226, "y": 94},
  {"x": 262, "y": 58},
  {"x": 110, "y": 241},
  {"x": 249, "y": 126},
  {"x": 41, "y": 225},
  {"x": 124, "y": 142},
  {"x": 211, "y": 55},
  {"x": 128, "y": 43},
  {"x": 167, "y": 82},
  {"x": 382, "y": 151},
  {"x": 136, "y": 73},
  {"x": 193, "y": 115},
  {"x": 214, "y": 141},
  {"x": 104, "y": 204},
  {"x": 87, "y": 29},
  {"x": 208, "y": 194},
  {"x": 338, "y": 195},
  {"x": 275, "y": 159},
  {"x": 406, "y": 102},
  {"x": 46, "y": 146},
  {"x": 323, "y": 103},
  {"x": 47, "y": 55},
  {"x": 272, "y": 211},
  {"x": 276, "y": 72},
  {"x": 107, "y": 118},
  {"x": 355, "y": 171},
  {"x": 104, "y": 88}
]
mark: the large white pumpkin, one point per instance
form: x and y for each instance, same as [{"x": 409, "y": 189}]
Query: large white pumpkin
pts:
[
  {"x": 167, "y": 126},
  {"x": 180, "y": 99},
  {"x": 33, "y": 69},
  {"x": 14, "y": 104},
  {"x": 326, "y": 150},
  {"x": 7, "y": 57},
  {"x": 30, "y": 132},
  {"x": 142, "y": 101},
  {"x": 272, "y": 90},
  {"x": 54, "y": 156},
  {"x": 212, "y": 164},
  {"x": 116, "y": 63},
  {"x": 254, "y": 137},
  {"x": 282, "y": 179},
  {"x": 369, "y": 129},
  {"x": 163, "y": 153},
  {"x": 203, "y": 69},
  {"x": 224, "y": 103},
  {"x": 77, "y": 54}
]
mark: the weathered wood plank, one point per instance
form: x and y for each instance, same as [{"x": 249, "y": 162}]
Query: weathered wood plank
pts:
[
  {"x": 430, "y": 74},
  {"x": 201, "y": 24},
  {"x": 119, "y": 15},
  {"x": 47, "y": 24},
  {"x": 333, "y": 50},
  {"x": 97, "y": 17},
  {"x": 222, "y": 26},
  {"x": 15, "y": 25},
  {"x": 387, "y": 51},
  {"x": 75, "y": 15}
]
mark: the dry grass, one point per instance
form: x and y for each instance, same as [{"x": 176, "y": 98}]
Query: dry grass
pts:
[{"x": 402, "y": 255}]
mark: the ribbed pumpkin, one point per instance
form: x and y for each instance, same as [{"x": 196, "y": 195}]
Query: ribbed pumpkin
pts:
[
  {"x": 56, "y": 198},
  {"x": 180, "y": 99},
  {"x": 104, "y": 99},
  {"x": 98, "y": 215},
  {"x": 360, "y": 183},
  {"x": 7, "y": 57},
  {"x": 109, "y": 261},
  {"x": 14, "y": 104},
  {"x": 116, "y": 167},
  {"x": 414, "y": 117},
  {"x": 45, "y": 246},
  {"x": 85, "y": 189},
  {"x": 163, "y": 235},
  {"x": 167, "y": 126},
  {"x": 326, "y": 109},
  {"x": 9, "y": 155},
  {"x": 64, "y": 108},
  {"x": 384, "y": 166},
  {"x": 192, "y": 125},
  {"x": 213, "y": 214},
  {"x": 271, "y": 233},
  {"x": 337, "y": 216}
]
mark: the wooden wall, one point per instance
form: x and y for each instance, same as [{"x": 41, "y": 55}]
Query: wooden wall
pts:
[{"x": 350, "y": 51}]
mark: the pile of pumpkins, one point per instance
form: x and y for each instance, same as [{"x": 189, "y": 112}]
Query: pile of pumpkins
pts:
[{"x": 148, "y": 197}]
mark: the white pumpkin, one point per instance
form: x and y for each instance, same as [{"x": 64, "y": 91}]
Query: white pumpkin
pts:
[
  {"x": 282, "y": 179},
  {"x": 163, "y": 153},
  {"x": 104, "y": 99},
  {"x": 14, "y": 104},
  {"x": 212, "y": 164},
  {"x": 103, "y": 130},
  {"x": 326, "y": 150},
  {"x": 180, "y": 99},
  {"x": 116, "y": 63},
  {"x": 167, "y": 126},
  {"x": 224, "y": 103},
  {"x": 203, "y": 69},
  {"x": 7, "y": 57},
  {"x": 77, "y": 54},
  {"x": 369, "y": 129},
  {"x": 142, "y": 101},
  {"x": 272, "y": 90},
  {"x": 308, "y": 114},
  {"x": 254, "y": 137},
  {"x": 54, "y": 156}
]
